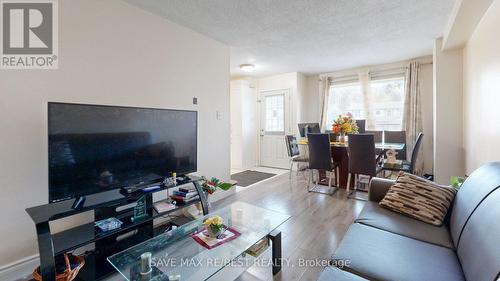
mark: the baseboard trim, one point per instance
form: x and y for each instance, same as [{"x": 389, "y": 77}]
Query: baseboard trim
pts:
[{"x": 20, "y": 269}]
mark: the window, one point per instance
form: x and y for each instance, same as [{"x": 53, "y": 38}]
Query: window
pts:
[
  {"x": 275, "y": 113},
  {"x": 387, "y": 100},
  {"x": 345, "y": 98},
  {"x": 381, "y": 104}
]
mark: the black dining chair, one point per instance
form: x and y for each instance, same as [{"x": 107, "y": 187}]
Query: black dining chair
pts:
[
  {"x": 406, "y": 166},
  {"x": 377, "y": 135},
  {"x": 361, "y": 151},
  {"x": 361, "y": 126},
  {"x": 294, "y": 153},
  {"x": 320, "y": 158},
  {"x": 397, "y": 137}
]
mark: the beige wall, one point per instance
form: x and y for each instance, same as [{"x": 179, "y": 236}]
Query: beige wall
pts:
[
  {"x": 312, "y": 108},
  {"x": 481, "y": 58},
  {"x": 109, "y": 53},
  {"x": 426, "y": 86},
  {"x": 448, "y": 113}
]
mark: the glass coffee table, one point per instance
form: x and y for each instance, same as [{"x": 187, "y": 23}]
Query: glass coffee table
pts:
[{"x": 176, "y": 255}]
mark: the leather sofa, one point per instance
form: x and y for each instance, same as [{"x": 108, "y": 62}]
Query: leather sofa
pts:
[{"x": 385, "y": 245}]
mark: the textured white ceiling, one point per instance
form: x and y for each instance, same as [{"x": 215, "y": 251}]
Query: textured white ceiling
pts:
[{"x": 311, "y": 36}]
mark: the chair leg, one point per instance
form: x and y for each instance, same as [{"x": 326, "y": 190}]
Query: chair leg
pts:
[
  {"x": 310, "y": 180},
  {"x": 348, "y": 183},
  {"x": 337, "y": 174},
  {"x": 291, "y": 168}
]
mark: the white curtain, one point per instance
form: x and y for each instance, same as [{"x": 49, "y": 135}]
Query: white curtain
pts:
[
  {"x": 412, "y": 117},
  {"x": 324, "y": 91}
]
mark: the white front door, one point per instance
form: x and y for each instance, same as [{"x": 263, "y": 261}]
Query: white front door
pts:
[{"x": 275, "y": 123}]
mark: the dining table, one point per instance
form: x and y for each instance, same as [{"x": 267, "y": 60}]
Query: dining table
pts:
[{"x": 340, "y": 155}]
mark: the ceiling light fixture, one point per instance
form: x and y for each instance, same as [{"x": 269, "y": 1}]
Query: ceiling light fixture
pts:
[{"x": 247, "y": 67}]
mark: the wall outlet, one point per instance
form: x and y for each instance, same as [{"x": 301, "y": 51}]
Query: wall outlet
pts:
[
  {"x": 195, "y": 100},
  {"x": 218, "y": 115}
]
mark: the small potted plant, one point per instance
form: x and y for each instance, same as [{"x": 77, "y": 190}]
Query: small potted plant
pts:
[
  {"x": 343, "y": 125},
  {"x": 456, "y": 182},
  {"x": 210, "y": 186},
  {"x": 214, "y": 226}
]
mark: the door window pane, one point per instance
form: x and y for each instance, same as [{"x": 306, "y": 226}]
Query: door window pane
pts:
[
  {"x": 344, "y": 99},
  {"x": 275, "y": 113},
  {"x": 387, "y": 100}
]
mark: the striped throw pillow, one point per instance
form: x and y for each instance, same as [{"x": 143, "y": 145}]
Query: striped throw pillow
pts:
[{"x": 419, "y": 198}]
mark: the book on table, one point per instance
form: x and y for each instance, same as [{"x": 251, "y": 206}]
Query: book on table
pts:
[{"x": 163, "y": 206}]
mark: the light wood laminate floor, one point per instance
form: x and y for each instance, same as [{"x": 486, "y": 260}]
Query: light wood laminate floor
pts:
[{"x": 317, "y": 225}]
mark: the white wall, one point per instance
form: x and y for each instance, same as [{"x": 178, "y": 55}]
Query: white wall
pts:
[
  {"x": 448, "y": 148},
  {"x": 244, "y": 124},
  {"x": 109, "y": 53},
  {"x": 481, "y": 74}
]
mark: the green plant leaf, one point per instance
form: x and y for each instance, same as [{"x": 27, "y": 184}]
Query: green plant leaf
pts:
[{"x": 225, "y": 186}]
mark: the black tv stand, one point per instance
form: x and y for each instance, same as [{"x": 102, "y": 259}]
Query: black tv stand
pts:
[
  {"x": 104, "y": 205},
  {"x": 78, "y": 203}
]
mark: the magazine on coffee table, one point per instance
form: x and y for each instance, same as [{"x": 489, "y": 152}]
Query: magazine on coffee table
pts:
[{"x": 201, "y": 236}]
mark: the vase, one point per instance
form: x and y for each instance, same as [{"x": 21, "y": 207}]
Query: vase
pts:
[
  {"x": 342, "y": 138},
  {"x": 214, "y": 233}
]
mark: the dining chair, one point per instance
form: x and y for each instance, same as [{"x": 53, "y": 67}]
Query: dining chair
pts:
[
  {"x": 397, "y": 137},
  {"x": 377, "y": 135},
  {"x": 378, "y": 138},
  {"x": 361, "y": 126},
  {"x": 406, "y": 166},
  {"x": 293, "y": 151},
  {"x": 361, "y": 151},
  {"x": 320, "y": 158}
]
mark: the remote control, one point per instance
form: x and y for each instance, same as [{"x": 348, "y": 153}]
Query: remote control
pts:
[{"x": 151, "y": 188}]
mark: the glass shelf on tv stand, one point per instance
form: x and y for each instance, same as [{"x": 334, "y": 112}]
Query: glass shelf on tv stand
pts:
[{"x": 177, "y": 254}]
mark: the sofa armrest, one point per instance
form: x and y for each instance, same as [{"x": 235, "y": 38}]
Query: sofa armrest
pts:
[{"x": 378, "y": 188}]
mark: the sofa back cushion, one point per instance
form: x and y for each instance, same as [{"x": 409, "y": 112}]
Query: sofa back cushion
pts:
[
  {"x": 475, "y": 188},
  {"x": 479, "y": 248}
]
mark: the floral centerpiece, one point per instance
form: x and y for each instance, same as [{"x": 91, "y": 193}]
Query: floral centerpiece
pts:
[
  {"x": 214, "y": 226},
  {"x": 343, "y": 125}
]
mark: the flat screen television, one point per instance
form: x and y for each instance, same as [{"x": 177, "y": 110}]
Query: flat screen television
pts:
[{"x": 97, "y": 148}]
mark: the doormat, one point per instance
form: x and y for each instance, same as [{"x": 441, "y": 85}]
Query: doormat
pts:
[{"x": 249, "y": 177}]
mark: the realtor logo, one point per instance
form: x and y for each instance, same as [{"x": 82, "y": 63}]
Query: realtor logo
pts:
[{"x": 29, "y": 35}]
